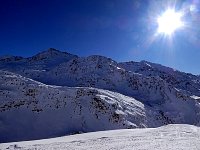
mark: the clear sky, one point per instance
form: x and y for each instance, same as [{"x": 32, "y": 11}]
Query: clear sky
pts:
[{"x": 120, "y": 29}]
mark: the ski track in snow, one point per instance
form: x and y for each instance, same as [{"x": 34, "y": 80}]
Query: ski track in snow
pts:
[{"x": 177, "y": 137}]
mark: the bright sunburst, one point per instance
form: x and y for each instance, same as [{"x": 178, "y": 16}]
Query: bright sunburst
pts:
[{"x": 169, "y": 21}]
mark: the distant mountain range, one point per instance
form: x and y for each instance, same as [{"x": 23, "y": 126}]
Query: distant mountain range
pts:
[{"x": 55, "y": 93}]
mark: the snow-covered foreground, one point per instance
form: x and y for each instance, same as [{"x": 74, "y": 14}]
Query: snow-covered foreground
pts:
[{"x": 177, "y": 137}]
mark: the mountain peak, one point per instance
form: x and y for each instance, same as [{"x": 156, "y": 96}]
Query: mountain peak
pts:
[
  {"x": 52, "y": 49},
  {"x": 51, "y": 53}
]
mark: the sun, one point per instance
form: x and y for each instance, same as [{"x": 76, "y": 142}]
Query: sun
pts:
[{"x": 169, "y": 21}]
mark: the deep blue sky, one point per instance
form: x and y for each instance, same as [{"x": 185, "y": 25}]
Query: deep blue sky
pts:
[{"x": 121, "y": 29}]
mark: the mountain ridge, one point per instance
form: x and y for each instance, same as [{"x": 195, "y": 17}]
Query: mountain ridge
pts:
[{"x": 118, "y": 95}]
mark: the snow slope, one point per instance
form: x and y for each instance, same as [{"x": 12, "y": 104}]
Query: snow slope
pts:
[
  {"x": 173, "y": 137},
  {"x": 32, "y": 110},
  {"x": 180, "y": 80}
]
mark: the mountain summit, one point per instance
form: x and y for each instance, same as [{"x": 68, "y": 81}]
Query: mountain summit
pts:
[{"x": 51, "y": 53}]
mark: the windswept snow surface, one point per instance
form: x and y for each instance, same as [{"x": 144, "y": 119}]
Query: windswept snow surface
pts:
[{"x": 170, "y": 137}]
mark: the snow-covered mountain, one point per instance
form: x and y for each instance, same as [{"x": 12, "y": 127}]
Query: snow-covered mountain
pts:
[
  {"x": 180, "y": 80},
  {"x": 35, "y": 65},
  {"x": 55, "y": 93},
  {"x": 32, "y": 110}
]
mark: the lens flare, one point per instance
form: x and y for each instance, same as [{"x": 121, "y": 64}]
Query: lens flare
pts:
[{"x": 169, "y": 21}]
